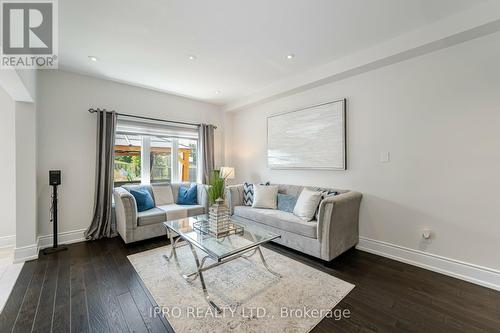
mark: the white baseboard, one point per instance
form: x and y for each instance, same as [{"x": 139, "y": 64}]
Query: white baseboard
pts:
[
  {"x": 7, "y": 241},
  {"x": 25, "y": 253},
  {"x": 30, "y": 252},
  {"x": 483, "y": 276},
  {"x": 66, "y": 237}
]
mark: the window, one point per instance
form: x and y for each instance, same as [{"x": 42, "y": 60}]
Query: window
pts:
[
  {"x": 127, "y": 169},
  {"x": 188, "y": 159},
  {"x": 152, "y": 152},
  {"x": 161, "y": 160}
]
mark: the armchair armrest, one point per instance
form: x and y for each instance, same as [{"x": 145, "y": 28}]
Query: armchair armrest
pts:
[
  {"x": 338, "y": 223},
  {"x": 125, "y": 210},
  {"x": 234, "y": 196}
]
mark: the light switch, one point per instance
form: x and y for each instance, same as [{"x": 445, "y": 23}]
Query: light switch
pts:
[{"x": 385, "y": 157}]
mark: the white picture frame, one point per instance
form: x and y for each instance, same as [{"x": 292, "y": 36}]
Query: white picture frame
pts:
[{"x": 309, "y": 138}]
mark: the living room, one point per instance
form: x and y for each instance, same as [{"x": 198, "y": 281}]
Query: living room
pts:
[{"x": 206, "y": 165}]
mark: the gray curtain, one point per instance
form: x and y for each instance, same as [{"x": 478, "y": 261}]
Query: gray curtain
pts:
[
  {"x": 206, "y": 135},
  {"x": 102, "y": 218}
]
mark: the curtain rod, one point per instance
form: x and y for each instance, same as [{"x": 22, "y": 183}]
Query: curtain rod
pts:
[{"x": 91, "y": 110}]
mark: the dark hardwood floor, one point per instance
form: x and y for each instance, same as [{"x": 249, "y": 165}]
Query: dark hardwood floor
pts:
[{"x": 92, "y": 287}]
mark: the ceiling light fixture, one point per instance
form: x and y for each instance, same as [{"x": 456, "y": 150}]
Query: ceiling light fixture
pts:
[
  {"x": 94, "y": 59},
  {"x": 290, "y": 56},
  {"x": 192, "y": 57},
  {"x": 217, "y": 92}
]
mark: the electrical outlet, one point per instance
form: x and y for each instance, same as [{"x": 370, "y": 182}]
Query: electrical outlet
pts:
[
  {"x": 427, "y": 234},
  {"x": 385, "y": 157}
]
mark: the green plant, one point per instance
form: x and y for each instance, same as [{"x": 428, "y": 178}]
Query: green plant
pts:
[
  {"x": 129, "y": 177},
  {"x": 216, "y": 187}
]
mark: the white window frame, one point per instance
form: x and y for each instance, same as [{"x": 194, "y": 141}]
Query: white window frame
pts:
[
  {"x": 175, "y": 160},
  {"x": 146, "y": 160}
]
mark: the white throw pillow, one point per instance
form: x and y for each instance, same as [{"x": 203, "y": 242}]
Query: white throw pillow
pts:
[
  {"x": 265, "y": 196},
  {"x": 307, "y": 204},
  {"x": 163, "y": 194}
]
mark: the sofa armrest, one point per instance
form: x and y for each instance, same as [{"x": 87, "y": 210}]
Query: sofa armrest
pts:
[
  {"x": 234, "y": 196},
  {"x": 202, "y": 196},
  {"x": 338, "y": 223},
  {"x": 125, "y": 210}
]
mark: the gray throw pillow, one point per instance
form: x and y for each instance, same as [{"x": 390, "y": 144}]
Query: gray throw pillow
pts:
[{"x": 324, "y": 194}]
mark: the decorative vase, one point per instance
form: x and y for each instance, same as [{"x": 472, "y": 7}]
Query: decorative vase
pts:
[{"x": 218, "y": 218}]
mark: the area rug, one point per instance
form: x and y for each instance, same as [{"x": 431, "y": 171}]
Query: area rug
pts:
[{"x": 251, "y": 298}]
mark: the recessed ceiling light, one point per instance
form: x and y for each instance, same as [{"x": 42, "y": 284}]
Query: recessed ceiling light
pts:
[
  {"x": 290, "y": 56},
  {"x": 217, "y": 92},
  {"x": 93, "y": 58},
  {"x": 192, "y": 57}
]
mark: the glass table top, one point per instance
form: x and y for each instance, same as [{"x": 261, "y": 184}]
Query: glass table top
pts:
[{"x": 219, "y": 248}]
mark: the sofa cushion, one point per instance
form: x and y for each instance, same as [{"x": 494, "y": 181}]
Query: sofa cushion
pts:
[
  {"x": 278, "y": 219},
  {"x": 175, "y": 211},
  {"x": 151, "y": 216},
  {"x": 194, "y": 210},
  {"x": 163, "y": 194}
]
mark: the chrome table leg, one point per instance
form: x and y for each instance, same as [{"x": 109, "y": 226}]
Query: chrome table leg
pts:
[
  {"x": 192, "y": 276},
  {"x": 173, "y": 252},
  {"x": 263, "y": 259},
  {"x": 202, "y": 280},
  {"x": 265, "y": 264}
]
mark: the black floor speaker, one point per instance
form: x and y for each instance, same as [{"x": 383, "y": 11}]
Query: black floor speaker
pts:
[{"x": 54, "y": 181}]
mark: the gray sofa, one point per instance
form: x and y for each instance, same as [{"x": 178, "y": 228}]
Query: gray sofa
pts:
[
  {"x": 333, "y": 232},
  {"x": 134, "y": 226}
]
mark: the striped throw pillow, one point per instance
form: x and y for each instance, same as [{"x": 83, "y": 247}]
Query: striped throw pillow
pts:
[{"x": 248, "y": 192}]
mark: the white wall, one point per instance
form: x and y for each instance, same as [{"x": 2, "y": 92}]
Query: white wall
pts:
[
  {"x": 18, "y": 135},
  {"x": 26, "y": 201},
  {"x": 28, "y": 78},
  {"x": 7, "y": 170},
  {"x": 67, "y": 135},
  {"x": 439, "y": 117}
]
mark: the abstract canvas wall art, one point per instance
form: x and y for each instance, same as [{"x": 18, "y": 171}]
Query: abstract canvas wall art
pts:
[{"x": 309, "y": 138}]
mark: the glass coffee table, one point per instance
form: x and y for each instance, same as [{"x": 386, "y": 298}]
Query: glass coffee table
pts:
[{"x": 221, "y": 250}]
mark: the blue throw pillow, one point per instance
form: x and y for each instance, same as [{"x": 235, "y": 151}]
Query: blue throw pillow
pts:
[
  {"x": 143, "y": 199},
  {"x": 139, "y": 187},
  {"x": 286, "y": 202},
  {"x": 188, "y": 196}
]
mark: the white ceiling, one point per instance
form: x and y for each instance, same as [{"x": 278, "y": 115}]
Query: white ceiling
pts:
[{"x": 240, "y": 46}]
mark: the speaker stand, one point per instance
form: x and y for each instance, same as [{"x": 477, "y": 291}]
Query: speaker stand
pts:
[
  {"x": 51, "y": 250},
  {"x": 55, "y": 248}
]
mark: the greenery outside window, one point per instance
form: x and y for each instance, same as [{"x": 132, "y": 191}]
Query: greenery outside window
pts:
[
  {"x": 144, "y": 158},
  {"x": 127, "y": 168}
]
